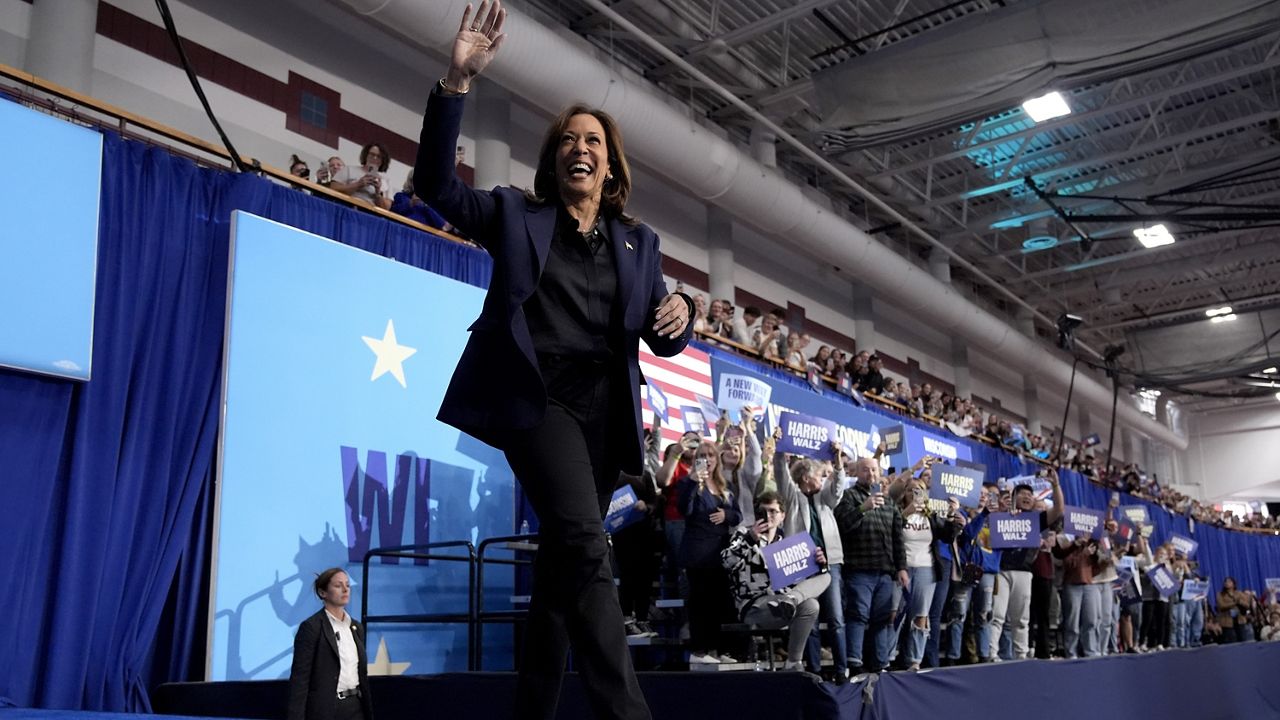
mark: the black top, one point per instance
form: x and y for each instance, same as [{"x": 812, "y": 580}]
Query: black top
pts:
[
  {"x": 570, "y": 314},
  {"x": 1023, "y": 558}
]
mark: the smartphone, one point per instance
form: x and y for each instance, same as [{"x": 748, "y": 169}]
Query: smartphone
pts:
[
  {"x": 877, "y": 488},
  {"x": 699, "y": 466},
  {"x": 1115, "y": 497}
]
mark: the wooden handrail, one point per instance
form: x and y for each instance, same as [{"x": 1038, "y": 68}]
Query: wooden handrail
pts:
[{"x": 124, "y": 118}]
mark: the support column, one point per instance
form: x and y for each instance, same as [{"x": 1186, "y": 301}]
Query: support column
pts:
[
  {"x": 1084, "y": 424},
  {"x": 720, "y": 254},
  {"x": 764, "y": 146},
  {"x": 960, "y": 367},
  {"x": 1030, "y": 386},
  {"x": 60, "y": 42},
  {"x": 493, "y": 135},
  {"x": 940, "y": 266},
  {"x": 864, "y": 321}
]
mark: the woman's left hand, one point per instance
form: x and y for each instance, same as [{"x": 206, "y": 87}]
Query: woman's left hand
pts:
[
  {"x": 717, "y": 517},
  {"x": 672, "y": 316}
]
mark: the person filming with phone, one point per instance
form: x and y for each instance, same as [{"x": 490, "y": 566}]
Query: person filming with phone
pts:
[{"x": 875, "y": 559}]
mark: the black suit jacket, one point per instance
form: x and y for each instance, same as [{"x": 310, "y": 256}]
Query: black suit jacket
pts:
[
  {"x": 497, "y": 386},
  {"x": 313, "y": 681}
]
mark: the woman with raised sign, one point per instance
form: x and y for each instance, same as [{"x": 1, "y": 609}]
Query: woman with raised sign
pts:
[
  {"x": 551, "y": 373},
  {"x": 922, "y": 532}
]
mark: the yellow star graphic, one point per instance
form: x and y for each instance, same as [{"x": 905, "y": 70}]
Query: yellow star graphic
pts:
[
  {"x": 382, "y": 664},
  {"x": 391, "y": 355}
]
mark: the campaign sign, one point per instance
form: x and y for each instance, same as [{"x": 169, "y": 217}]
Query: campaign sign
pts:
[
  {"x": 1128, "y": 589},
  {"x": 815, "y": 377},
  {"x": 892, "y": 437},
  {"x": 964, "y": 484},
  {"x": 710, "y": 412},
  {"x": 1195, "y": 589},
  {"x": 658, "y": 402},
  {"x": 1092, "y": 440},
  {"x": 693, "y": 420},
  {"x": 1014, "y": 531},
  {"x": 1124, "y": 531},
  {"x": 622, "y": 510},
  {"x": 790, "y": 560},
  {"x": 1163, "y": 580},
  {"x": 1136, "y": 514},
  {"x": 736, "y": 390},
  {"x": 806, "y": 435},
  {"x": 1083, "y": 522},
  {"x": 1273, "y": 584},
  {"x": 1184, "y": 545}
]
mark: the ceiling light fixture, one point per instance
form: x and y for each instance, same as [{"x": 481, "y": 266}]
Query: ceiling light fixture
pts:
[
  {"x": 1224, "y": 310},
  {"x": 1222, "y": 318},
  {"x": 1269, "y": 370},
  {"x": 1046, "y": 107},
  {"x": 1153, "y": 236}
]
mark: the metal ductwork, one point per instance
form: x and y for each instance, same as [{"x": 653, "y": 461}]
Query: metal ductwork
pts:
[{"x": 552, "y": 68}]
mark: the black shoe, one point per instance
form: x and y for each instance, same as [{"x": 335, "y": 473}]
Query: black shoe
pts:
[{"x": 782, "y": 608}]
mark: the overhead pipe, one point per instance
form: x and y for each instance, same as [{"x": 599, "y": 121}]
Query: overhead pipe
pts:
[{"x": 553, "y": 68}]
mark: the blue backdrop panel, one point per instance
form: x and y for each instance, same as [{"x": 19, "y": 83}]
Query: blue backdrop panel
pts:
[
  {"x": 49, "y": 243},
  {"x": 1211, "y": 683},
  {"x": 337, "y": 362}
]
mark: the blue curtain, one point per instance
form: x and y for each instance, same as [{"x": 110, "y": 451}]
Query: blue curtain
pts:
[{"x": 105, "y": 541}]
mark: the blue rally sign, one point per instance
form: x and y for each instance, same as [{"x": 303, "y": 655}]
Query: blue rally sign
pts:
[
  {"x": 1014, "y": 531},
  {"x": 1184, "y": 545},
  {"x": 893, "y": 437},
  {"x": 1083, "y": 522},
  {"x": 964, "y": 484},
  {"x": 622, "y": 510},
  {"x": 1163, "y": 580},
  {"x": 791, "y": 560},
  {"x": 806, "y": 435}
]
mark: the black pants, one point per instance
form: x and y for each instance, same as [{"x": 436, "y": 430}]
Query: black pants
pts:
[
  {"x": 710, "y": 605},
  {"x": 635, "y": 548},
  {"x": 1155, "y": 623},
  {"x": 1041, "y": 589},
  {"x": 567, "y": 468}
]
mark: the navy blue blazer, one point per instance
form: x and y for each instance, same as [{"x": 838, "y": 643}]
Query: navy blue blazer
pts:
[{"x": 497, "y": 386}]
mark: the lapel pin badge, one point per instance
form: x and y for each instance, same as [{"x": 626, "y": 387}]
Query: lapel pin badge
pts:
[{"x": 628, "y": 245}]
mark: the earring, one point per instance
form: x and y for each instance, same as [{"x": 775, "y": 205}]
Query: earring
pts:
[{"x": 608, "y": 178}]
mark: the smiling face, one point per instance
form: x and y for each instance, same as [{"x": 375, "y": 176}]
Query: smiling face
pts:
[{"x": 582, "y": 159}]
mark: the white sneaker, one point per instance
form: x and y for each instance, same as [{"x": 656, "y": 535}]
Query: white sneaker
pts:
[
  {"x": 790, "y": 666},
  {"x": 701, "y": 659},
  {"x": 728, "y": 659}
]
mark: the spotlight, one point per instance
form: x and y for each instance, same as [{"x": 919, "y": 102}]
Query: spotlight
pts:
[
  {"x": 1067, "y": 324},
  {"x": 1046, "y": 107},
  {"x": 1153, "y": 236}
]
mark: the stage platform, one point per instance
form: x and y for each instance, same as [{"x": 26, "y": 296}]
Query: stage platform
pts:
[{"x": 1211, "y": 683}]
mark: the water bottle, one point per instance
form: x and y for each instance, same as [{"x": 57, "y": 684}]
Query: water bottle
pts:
[{"x": 524, "y": 527}]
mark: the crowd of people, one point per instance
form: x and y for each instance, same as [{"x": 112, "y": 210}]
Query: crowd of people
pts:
[
  {"x": 765, "y": 335},
  {"x": 367, "y": 183},
  {"x": 905, "y": 583}
]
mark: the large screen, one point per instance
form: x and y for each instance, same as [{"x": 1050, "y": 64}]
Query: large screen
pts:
[
  {"x": 48, "y": 242},
  {"x": 336, "y": 364}
]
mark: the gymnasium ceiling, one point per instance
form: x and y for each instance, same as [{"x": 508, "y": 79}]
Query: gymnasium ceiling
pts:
[{"x": 1192, "y": 141}]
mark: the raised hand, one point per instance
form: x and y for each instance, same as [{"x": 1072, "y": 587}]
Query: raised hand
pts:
[{"x": 476, "y": 44}]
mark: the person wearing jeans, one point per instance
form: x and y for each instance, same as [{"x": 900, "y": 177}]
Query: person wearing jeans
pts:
[
  {"x": 1079, "y": 596},
  {"x": 973, "y": 588},
  {"x": 809, "y": 490},
  {"x": 921, "y": 533},
  {"x": 871, "y": 532},
  {"x": 1012, "y": 601}
]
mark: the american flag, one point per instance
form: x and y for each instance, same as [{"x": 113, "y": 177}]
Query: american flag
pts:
[{"x": 682, "y": 379}]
